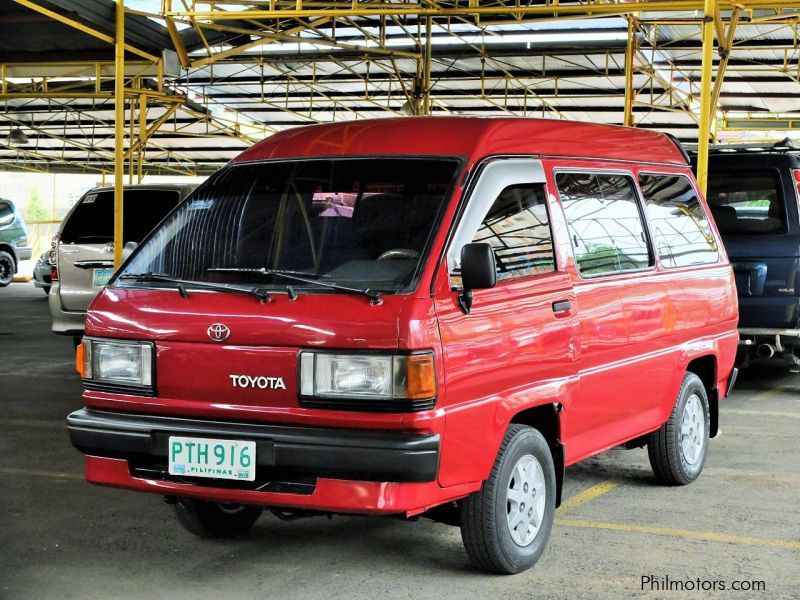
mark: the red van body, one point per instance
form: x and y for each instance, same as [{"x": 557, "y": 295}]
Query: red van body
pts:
[{"x": 591, "y": 362}]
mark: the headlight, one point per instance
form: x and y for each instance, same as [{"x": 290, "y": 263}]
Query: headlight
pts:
[
  {"x": 377, "y": 376},
  {"x": 127, "y": 363}
]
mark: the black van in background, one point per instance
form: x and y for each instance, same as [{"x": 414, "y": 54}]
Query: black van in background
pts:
[{"x": 753, "y": 193}]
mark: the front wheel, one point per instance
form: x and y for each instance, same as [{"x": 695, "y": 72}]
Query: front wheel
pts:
[
  {"x": 678, "y": 449},
  {"x": 215, "y": 520},
  {"x": 505, "y": 526},
  {"x": 7, "y": 268}
]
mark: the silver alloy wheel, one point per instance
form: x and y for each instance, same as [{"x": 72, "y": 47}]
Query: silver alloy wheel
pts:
[
  {"x": 525, "y": 500},
  {"x": 693, "y": 429}
]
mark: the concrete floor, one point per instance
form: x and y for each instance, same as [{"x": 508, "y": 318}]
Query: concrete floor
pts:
[{"x": 63, "y": 538}]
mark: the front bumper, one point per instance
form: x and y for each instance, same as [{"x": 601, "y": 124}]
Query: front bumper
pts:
[{"x": 317, "y": 452}]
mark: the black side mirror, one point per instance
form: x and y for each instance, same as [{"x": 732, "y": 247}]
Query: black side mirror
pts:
[{"x": 478, "y": 272}]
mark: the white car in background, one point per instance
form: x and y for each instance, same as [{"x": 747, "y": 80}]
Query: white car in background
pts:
[{"x": 83, "y": 247}]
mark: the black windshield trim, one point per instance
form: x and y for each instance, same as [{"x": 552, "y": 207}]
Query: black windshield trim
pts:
[{"x": 412, "y": 286}]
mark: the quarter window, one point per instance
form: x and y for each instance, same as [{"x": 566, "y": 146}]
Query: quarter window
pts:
[
  {"x": 681, "y": 229},
  {"x": 604, "y": 223},
  {"x": 518, "y": 229},
  {"x": 6, "y": 213},
  {"x": 746, "y": 201}
]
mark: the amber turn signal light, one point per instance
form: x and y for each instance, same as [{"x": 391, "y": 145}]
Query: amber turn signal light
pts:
[
  {"x": 80, "y": 358},
  {"x": 421, "y": 376}
]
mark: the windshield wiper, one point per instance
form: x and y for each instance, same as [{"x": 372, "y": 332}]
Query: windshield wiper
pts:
[
  {"x": 373, "y": 295},
  {"x": 258, "y": 292}
]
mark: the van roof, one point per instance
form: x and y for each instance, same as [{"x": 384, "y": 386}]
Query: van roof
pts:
[{"x": 474, "y": 137}]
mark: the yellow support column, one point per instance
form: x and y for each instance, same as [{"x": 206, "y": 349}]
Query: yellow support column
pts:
[
  {"x": 142, "y": 133},
  {"x": 119, "y": 128},
  {"x": 426, "y": 72},
  {"x": 630, "y": 51},
  {"x": 705, "y": 95}
]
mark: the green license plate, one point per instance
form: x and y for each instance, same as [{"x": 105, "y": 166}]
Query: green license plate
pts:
[
  {"x": 100, "y": 277},
  {"x": 216, "y": 459}
]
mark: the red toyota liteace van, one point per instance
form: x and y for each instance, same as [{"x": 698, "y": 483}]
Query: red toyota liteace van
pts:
[{"x": 495, "y": 300}]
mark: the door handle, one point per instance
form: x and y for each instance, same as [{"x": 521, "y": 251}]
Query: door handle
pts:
[
  {"x": 562, "y": 306},
  {"x": 93, "y": 264}
]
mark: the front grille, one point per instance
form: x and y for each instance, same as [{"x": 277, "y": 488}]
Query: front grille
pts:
[
  {"x": 360, "y": 405},
  {"x": 267, "y": 479},
  {"x": 117, "y": 388}
]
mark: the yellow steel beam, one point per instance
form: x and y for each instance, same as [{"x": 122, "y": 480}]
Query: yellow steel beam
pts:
[
  {"x": 119, "y": 128},
  {"x": 131, "y": 135},
  {"x": 268, "y": 37},
  {"x": 132, "y": 92},
  {"x": 725, "y": 47},
  {"x": 142, "y": 135},
  {"x": 553, "y": 9},
  {"x": 149, "y": 131},
  {"x": 630, "y": 53},
  {"x": 177, "y": 41},
  {"x": 705, "y": 96},
  {"x": 84, "y": 28},
  {"x": 254, "y": 44},
  {"x": 426, "y": 70}
]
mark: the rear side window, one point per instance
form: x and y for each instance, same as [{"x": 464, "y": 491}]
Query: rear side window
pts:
[
  {"x": 746, "y": 201},
  {"x": 6, "y": 214},
  {"x": 518, "y": 229},
  {"x": 681, "y": 229},
  {"x": 92, "y": 221},
  {"x": 604, "y": 222}
]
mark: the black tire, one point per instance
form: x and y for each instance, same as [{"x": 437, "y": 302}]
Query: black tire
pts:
[
  {"x": 671, "y": 462},
  {"x": 485, "y": 529},
  {"x": 46, "y": 290},
  {"x": 7, "y": 268},
  {"x": 214, "y": 520}
]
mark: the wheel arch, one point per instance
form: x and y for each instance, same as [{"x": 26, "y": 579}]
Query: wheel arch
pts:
[
  {"x": 546, "y": 419},
  {"x": 705, "y": 367}
]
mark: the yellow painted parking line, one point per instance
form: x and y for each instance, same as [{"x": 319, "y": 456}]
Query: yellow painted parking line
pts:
[
  {"x": 586, "y": 495},
  {"x": 762, "y": 413},
  {"x": 38, "y": 473},
  {"x": 46, "y": 423},
  {"x": 706, "y": 536},
  {"x": 766, "y": 395}
]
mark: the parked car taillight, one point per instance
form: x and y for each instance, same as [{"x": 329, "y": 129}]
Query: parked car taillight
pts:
[{"x": 52, "y": 256}]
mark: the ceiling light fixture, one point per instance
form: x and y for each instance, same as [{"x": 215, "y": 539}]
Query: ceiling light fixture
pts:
[{"x": 16, "y": 137}]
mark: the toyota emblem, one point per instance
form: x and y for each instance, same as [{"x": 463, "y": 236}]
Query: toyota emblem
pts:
[{"x": 219, "y": 332}]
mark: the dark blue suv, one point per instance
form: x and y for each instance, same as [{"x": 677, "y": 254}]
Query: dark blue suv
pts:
[{"x": 753, "y": 194}]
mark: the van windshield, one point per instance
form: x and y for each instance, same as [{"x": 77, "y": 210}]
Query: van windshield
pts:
[
  {"x": 357, "y": 222},
  {"x": 746, "y": 201}
]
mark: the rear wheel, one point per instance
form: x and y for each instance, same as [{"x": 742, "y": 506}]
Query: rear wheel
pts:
[
  {"x": 678, "y": 449},
  {"x": 46, "y": 290},
  {"x": 6, "y": 268},
  {"x": 216, "y": 520},
  {"x": 505, "y": 526}
]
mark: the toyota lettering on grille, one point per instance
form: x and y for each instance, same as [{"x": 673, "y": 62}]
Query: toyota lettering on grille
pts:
[
  {"x": 219, "y": 332},
  {"x": 258, "y": 381}
]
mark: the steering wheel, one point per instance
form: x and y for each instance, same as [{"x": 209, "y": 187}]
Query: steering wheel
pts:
[{"x": 400, "y": 253}]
